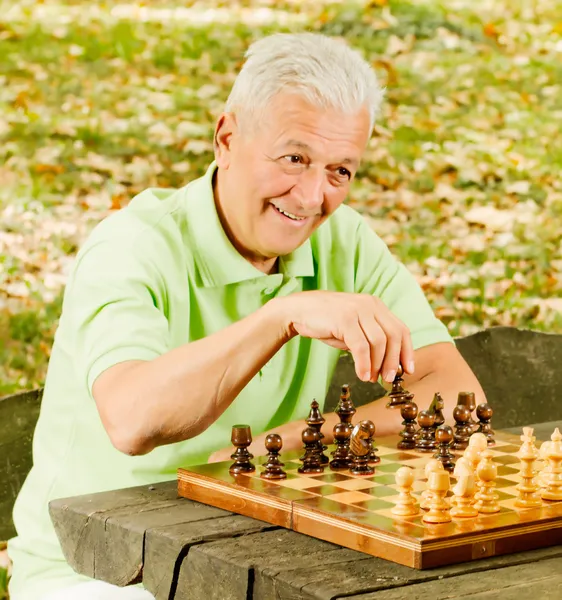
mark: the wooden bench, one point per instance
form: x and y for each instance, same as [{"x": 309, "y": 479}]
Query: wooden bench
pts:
[{"x": 519, "y": 370}]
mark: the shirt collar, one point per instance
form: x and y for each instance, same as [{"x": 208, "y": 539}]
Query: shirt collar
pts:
[{"x": 216, "y": 259}]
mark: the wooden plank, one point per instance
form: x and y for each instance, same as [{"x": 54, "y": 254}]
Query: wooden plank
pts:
[
  {"x": 225, "y": 570},
  {"x": 79, "y": 521},
  {"x": 374, "y": 574},
  {"x": 18, "y": 417},
  {"x": 167, "y": 547},
  {"x": 542, "y": 580}
]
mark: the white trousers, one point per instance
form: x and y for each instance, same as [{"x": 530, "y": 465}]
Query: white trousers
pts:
[{"x": 99, "y": 590}]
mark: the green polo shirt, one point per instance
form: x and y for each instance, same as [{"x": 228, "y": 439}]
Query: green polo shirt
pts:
[{"x": 156, "y": 275}]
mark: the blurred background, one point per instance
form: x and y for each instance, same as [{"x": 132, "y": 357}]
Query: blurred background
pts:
[{"x": 99, "y": 100}]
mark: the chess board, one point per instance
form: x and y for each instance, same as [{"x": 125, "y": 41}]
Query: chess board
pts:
[{"x": 355, "y": 511}]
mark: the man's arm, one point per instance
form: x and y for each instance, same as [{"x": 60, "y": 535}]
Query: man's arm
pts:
[{"x": 439, "y": 368}]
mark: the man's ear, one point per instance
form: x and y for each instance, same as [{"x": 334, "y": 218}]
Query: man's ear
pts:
[{"x": 225, "y": 130}]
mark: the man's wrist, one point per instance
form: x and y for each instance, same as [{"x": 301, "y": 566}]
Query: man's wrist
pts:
[{"x": 279, "y": 311}]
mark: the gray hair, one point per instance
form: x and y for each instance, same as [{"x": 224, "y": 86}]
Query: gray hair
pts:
[{"x": 323, "y": 70}]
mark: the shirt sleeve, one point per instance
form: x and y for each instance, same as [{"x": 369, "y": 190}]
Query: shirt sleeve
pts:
[
  {"x": 114, "y": 306},
  {"x": 378, "y": 273}
]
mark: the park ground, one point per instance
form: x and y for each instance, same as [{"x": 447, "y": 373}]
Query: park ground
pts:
[{"x": 99, "y": 100}]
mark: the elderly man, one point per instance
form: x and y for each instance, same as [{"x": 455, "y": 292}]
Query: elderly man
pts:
[{"x": 228, "y": 300}]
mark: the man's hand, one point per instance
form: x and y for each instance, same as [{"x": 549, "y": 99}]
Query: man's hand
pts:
[{"x": 358, "y": 323}]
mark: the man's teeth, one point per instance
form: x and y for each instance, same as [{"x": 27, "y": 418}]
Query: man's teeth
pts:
[{"x": 288, "y": 214}]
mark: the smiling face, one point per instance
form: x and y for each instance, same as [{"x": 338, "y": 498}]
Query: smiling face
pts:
[{"x": 276, "y": 183}]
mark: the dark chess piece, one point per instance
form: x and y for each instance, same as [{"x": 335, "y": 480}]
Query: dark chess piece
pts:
[
  {"x": 373, "y": 458},
  {"x": 345, "y": 409},
  {"x": 360, "y": 445},
  {"x": 468, "y": 399},
  {"x": 341, "y": 454},
  {"x": 311, "y": 458},
  {"x": 273, "y": 468},
  {"x": 241, "y": 438},
  {"x": 425, "y": 437},
  {"x": 436, "y": 408},
  {"x": 484, "y": 412},
  {"x": 409, "y": 412},
  {"x": 398, "y": 395},
  {"x": 316, "y": 420},
  {"x": 463, "y": 428},
  {"x": 444, "y": 439}
]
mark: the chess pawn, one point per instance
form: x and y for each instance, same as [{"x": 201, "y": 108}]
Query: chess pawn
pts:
[
  {"x": 273, "y": 468},
  {"x": 444, "y": 439},
  {"x": 528, "y": 488},
  {"x": 406, "y": 505},
  {"x": 360, "y": 446},
  {"x": 409, "y": 412},
  {"x": 464, "y": 491},
  {"x": 425, "y": 437},
  {"x": 468, "y": 399},
  {"x": 463, "y": 429},
  {"x": 311, "y": 458},
  {"x": 486, "y": 498},
  {"x": 398, "y": 395},
  {"x": 345, "y": 409},
  {"x": 341, "y": 455},
  {"x": 316, "y": 420},
  {"x": 544, "y": 467},
  {"x": 241, "y": 438},
  {"x": 477, "y": 443},
  {"x": 431, "y": 466},
  {"x": 439, "y": 512},
  {"x": 553, "y": 478},
  {"x": 484, "y": 413}
]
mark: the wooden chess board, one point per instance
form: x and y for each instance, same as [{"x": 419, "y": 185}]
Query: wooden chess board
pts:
[{"x": 354, "y": 511}]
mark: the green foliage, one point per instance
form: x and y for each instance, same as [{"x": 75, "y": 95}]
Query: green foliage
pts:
[{"x": 98, "y": 101}]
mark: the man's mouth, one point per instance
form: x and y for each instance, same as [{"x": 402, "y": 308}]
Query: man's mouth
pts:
[{"x": 288, "y": 214}]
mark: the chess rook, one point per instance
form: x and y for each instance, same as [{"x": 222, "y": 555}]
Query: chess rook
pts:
[
  {"x": 468, "y": 399},
  {"x": 241, "y": 438}
]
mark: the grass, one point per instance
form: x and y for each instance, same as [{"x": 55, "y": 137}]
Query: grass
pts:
[{"x": 97, "y": 103}]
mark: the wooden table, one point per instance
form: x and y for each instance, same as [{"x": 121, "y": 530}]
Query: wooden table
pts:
[{"x": 184, "y": 550}]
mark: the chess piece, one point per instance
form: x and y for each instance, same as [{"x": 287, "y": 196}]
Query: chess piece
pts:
[
  {"x": 463, "y": 428},
  {"x": 463, "y": 491},
  {"x": 484, "y": 413},
  {"x": 468, "y": 399},
  {"x": 409, "y": 412},
  {"x": 477, "y": 443},
  {"x": 241, "y": 438},
  {"x": 406, "y": 505},
  {"x": 273, "y": 468},
  {"x": 341, "y": 454},
  {"x": 553, "y": 477},
  {"x": 316, "y": 420},
  {"x": 528, "y": 487},
  {"x": 360, "y": 446},
  {"x": 544, "y": 467},
  {"x": 311, "y": 458},
  {"x": 444, "y": 439},
  {"x": 431, "y": 466},
  {"x": 345, "y": 409},
  {"x": 425, "y": 437},
  {"x": 486, "y": 499},
  {"x": 398, "y": 395},
  {"x": 439, "y": 511},
  {"x": 373, "y": 458},
  {"x": 436, "y": 408}
]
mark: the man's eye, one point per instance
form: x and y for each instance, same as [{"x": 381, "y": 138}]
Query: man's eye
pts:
[
  {"x": 342, "y": 172},
  {"x": 294, "y": 159}
]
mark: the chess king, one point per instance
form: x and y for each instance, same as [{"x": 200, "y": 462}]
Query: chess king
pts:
[{"x": 229, "y": 301}]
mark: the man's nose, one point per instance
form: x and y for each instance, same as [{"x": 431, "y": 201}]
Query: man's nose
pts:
[{"x": 310, "y": 188}]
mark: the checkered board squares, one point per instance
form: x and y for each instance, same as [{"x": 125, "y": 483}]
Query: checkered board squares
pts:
[{"x": 355, "y": 511}]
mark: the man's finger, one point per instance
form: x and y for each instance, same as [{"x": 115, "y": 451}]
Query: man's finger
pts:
[
  {"x": 407, "y": 352},
  {"x": 360, "y": 348},
  {"x": 377, "y": 342}
]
